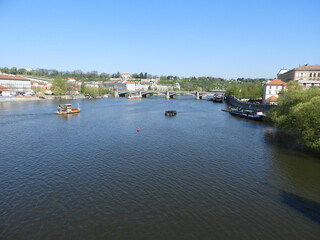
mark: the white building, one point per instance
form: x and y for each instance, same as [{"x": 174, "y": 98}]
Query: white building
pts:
[
  {"x": 306, "y": 75},
  {"x": 130, "y": 86},
  {"x": 125, "y": 76},
  {"x": 4, "y": 91},
  {"x": 15, "y": 84},
  {"x": 272, "y": 89},
  {"x": 71, "y": 80}
]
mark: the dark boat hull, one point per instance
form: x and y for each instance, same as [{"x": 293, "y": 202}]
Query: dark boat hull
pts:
[
  {"x": 170, "y": 113},
  {"x": 248, "y": 116}
]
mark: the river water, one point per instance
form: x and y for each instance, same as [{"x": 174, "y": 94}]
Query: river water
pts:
[{"x": 202, "y": 174}]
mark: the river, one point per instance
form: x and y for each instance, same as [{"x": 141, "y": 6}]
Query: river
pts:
[{"x": 202, "y": 174}]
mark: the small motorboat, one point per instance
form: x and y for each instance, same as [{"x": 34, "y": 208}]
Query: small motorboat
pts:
[
  {"x": 135, "y": 97},
  {"x": 67, "y": 109},
  {"x": 170, "y": 113},
  {"x": 218, "y": 99}
]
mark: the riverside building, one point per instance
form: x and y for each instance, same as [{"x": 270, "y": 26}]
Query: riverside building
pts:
[
  {"x": 15, "y": 84},
  {"x": 271, "y": 90},
  {"x": 306, "y": 75}
]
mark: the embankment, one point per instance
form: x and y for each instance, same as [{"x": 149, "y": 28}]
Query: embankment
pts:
[{"x": 233, "y": 101}]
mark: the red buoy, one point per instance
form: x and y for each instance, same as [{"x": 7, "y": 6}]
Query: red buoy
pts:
[{"x": 138, "y": 129}]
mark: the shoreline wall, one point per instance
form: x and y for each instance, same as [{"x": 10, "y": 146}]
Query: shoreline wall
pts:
[
  {"x": 233, "y": 101},
  {"x": 19, "y": 99},
  {"x": 35, "y": 98}
]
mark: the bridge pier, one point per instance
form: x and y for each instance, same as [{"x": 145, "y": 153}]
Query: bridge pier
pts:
[
  {"x": 198, "y": 95},
  {"x": 167, "y": 95},
  {"x": 116, "y": 93}
]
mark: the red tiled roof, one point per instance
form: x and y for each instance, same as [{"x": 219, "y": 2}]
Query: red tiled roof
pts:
[
  {"x": 3, "y": 89},
  {"x": 3, "y": 76},
  {"x": 272, "y": 99},
  {"x": 130, "y": 83},
  {"x": 308, "y": 68},
  {"x": 276, "y": 81}
]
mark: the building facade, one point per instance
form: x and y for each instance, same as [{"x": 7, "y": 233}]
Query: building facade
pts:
[
  {"x": 15, "y": 84},
  {"x": 306, "y": 75},
  {"x": 4, "y": 92},
  {"x": 125, "y": 76},
  {"x": 272, "y": 89}
]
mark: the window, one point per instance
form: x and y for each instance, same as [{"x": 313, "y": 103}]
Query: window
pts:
[
  {"x": 318, "y": 74},
  {"x": 314, "y": 74},
  {"x": 269, "y": 87},
  {"x": 276, "y": 87},
  {"x": 310, "y": 75}
]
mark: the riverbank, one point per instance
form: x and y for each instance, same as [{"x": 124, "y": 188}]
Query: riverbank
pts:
[
  {"x": 45, "y": 97},
  {"x": 233, "y": 101},
  {"x": 19, "y": 99}
]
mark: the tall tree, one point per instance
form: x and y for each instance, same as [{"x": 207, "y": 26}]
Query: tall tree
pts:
[
  {"x": 59, "y": 86},
  {"x": 13, "y": 70}
]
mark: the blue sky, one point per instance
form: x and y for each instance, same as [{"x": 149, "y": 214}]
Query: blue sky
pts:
[{"x": 229, "y": 38}]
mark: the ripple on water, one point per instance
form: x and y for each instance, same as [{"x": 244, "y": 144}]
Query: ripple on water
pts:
[{"x": 202, "y": 174}]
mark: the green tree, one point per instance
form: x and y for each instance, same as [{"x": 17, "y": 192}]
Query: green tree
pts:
[
  {"x": 92, "y": 91},
  {"x": 13, "y": 70},
  {"x": 83, "y": 87},
  {"x": 38, "y": 90},
  {"x": 298, "y": 112},
  {"x": 135, "y": 75},
  {"x": 307, "y": 122},
  {"x": 5, "y": 70},
  {"x": 59, "y": 86},
  {"x": 22, "y": 71},
  {"x": 102, "y": 91}
]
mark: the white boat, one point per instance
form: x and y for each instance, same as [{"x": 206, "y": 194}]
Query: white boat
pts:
[{"x": 67, "y": 109}]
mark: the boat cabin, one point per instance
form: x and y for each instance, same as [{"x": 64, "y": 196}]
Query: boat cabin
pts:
[{"x": 66, "y": 109}]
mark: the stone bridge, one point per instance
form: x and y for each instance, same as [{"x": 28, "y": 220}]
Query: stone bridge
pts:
[{"x": 170, "y": 94}]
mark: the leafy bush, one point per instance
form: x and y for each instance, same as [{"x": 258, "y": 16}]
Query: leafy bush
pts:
[{"x": 298, "y": 112}]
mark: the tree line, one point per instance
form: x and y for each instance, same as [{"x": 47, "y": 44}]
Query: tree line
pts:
[
  {"x": 240, "y": 87},
  {"x": 61, "y": 87},
  {"x": 78, "y": 74}
]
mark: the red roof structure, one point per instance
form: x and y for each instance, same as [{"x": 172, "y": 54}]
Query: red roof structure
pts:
[
  {"x": 12, "y": 77},
  {"x": 276, "y": 81},
  {"x": 272, "y": 99},
  {"x": 3, "y": 89}
]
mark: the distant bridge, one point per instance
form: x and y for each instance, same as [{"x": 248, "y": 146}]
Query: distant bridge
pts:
[{"x": 170, "y": 94}]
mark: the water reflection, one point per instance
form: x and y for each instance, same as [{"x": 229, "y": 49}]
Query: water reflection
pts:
[
  {"x": 296, "y": 171},
  {"x": 68, "y": 116},
  {"x": 308, "y": 208}
]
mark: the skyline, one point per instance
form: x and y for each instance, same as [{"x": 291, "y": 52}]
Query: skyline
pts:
[{"x": 233, "y": 39}]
